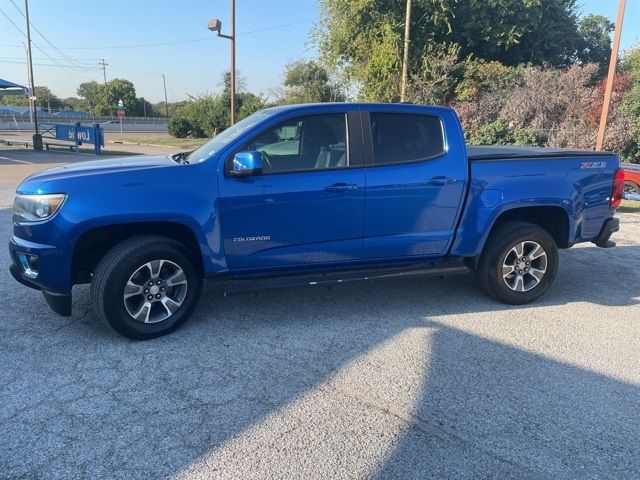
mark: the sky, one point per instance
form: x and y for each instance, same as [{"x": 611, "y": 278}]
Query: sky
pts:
[{"x": 133, "y": 36}]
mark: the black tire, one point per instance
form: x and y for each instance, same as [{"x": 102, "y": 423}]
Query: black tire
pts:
[
  {"x": 122, "y": 261},
  {"x": 497, "y": 250},
  {"x": 631, "y": 187}
]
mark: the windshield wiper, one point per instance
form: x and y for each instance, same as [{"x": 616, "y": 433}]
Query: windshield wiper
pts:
[{"x": 182, "y": 157}]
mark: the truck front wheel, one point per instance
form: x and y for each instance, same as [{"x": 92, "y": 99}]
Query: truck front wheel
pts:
[
  {"x": 519, "y": 263},
  {"x": 145, "y": 287}
]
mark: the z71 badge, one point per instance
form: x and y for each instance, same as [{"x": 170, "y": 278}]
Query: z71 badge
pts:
[{"x": 593, "y": 165}]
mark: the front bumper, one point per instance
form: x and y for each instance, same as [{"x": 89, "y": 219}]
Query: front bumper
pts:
[
  {"x": 610, "y": 226},
  {"x": 51, "y": 278}
]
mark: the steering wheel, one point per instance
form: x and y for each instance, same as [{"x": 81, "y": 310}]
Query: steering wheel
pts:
[{"x": 267, "y": 159}]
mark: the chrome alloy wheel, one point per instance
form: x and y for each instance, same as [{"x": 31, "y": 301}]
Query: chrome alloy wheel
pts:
[
  {"x": 524, "y": 266},
  {"x": 155, "y": 291}
]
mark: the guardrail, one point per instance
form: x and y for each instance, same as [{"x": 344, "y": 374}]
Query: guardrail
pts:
[{"x": 89, "y": 119}]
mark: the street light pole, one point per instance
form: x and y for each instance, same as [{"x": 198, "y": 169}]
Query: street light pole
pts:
[
  {"x": 405, "y": 59},
  {"x": 233, "y": 62},
  {"x": 215, "y": 25},
  {"x": 611, "y": 75},
  {"x": 37, "y": 138}
]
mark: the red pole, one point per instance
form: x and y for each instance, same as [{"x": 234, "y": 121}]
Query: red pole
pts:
[{"x": 611, "y": 75}]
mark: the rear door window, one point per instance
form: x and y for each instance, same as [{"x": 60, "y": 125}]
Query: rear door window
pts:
[{"x": 402, "y": 138}]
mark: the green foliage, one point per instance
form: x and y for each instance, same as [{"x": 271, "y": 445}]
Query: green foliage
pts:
[
  {"x": 90, "y": 94},
  {"x": 482, "y": 77},
  {"x": 631, "y": 103},
  {"x": 202, "y": 116},
  {"x": 494, "y": 133},
  {"x": 309, "y": 82},
  {"x": 595, "y": 40},
  {"x": 435, "y": 83},
  {"x": 102, "y": 99},
  {"x": 112, "y": 92},
  {"x": 529, "y": 137},
  {"x": 72, "y": 103},
  {"x": 45, "y": 99},
  {"x": 145, "y": 108},
  {"x": 498, "y": 133},
  {"x": 180, "y": 127},
  {"x": 362, "y": 40},
  {"x": 516, "y": 31},
  {"x": 207, "y": 115}
]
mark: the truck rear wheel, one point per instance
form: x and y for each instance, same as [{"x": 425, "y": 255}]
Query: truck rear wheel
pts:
[
  {"x": 631, "y": 187},
  {"x": 146, "y": 287},
  {"x": 519, "y": 263}
]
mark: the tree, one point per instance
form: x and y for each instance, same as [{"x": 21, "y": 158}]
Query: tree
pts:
[
  {"x": 362, "y": 39},
  {"x": 309, "y": 82},
  {"x": 72, "y": 103},
  {"x": 435, "y": 83},
  {"x": 112, "y": 92},
  {"x": 595, "y": 40},
  {"x": 45, "y": 98},
  {"x": 630, "y": 65},
  {"x": 145, "y": 108},
  {"x": 200, "y": 117},
  {"x": 90, "y": 94},
  {"x": 207, "y": 115}
]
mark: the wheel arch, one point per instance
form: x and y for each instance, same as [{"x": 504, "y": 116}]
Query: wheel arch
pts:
[
  {"x": 94, "y": 243},
  {"x": 554, "y": 219}
]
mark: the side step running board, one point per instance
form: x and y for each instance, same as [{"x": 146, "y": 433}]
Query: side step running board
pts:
[{"x": 234, "y": 287}]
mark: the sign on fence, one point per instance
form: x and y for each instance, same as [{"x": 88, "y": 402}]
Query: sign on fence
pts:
[{"x": 76, "y": 133}]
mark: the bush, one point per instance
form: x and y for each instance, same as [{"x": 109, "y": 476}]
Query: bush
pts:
[
  {"x": 529, "y": 137},
  {"x": 494, "y": 133},
  {"x": 180, "y": 127}
]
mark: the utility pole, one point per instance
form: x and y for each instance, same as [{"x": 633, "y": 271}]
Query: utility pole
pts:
[
  {"x": 166, "y": 104},
  {"x": 104, "y": 69},
  {"x": 144, "y": 107},
  {"x": 405, "y": 59},
  {"x": 215, "y": 25},
  {"x": 37, "y": 138},
  {"x": 611, "y": 75},
  {"x": 233, "y": 62},
  {"x": 26, "y": 51}
]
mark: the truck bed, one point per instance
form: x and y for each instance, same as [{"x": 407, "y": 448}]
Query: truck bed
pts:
[{"x": 506, "y": 152}]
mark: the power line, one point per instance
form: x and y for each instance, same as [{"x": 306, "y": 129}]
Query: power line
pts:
[
  {"x": 182, "y": 42},
  {"x": 71, "y": 61},
  {"x": 70, "y": 68},
  {"x": 57, "y": 65},
  {"x": 85, "y": 61}
]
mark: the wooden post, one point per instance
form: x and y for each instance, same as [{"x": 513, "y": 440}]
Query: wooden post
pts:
[
  {"x": 611, "y": 75},
  {"x": 405, "y": 59}
]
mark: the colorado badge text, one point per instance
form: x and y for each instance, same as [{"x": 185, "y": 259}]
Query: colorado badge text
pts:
[{"x": 260, "y": 238}]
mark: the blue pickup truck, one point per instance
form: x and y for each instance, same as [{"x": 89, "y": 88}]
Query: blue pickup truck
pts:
[{"x": 308, "y": 194}]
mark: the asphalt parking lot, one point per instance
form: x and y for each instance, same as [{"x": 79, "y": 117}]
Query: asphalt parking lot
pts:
[{"x": 406, "y": 378}]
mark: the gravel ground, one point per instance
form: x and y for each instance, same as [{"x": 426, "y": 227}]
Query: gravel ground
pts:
[{"x": 419, "y": 378}]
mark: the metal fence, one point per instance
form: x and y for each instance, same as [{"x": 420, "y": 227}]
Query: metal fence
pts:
[{"x": 10, "y": 117}]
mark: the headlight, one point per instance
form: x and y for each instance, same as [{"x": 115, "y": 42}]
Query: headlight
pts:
[{"x": 35, "y": 208}]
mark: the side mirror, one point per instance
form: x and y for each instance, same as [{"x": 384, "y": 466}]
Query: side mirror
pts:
[{"x": 245, "y": 164}]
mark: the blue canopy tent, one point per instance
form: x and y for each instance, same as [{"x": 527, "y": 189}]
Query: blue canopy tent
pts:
[{"x": 10, "y": 88}]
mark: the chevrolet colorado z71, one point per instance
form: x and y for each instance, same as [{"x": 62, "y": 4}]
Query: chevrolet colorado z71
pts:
[{"x": 308, "y": 194}]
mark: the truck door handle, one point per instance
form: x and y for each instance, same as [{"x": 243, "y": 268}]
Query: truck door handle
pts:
[
  {"x": 440, "y": 180},
  {"x": 341, "y": 187}
]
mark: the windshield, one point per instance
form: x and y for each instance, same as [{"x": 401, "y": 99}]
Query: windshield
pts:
[{"x": 216, "y": 143}]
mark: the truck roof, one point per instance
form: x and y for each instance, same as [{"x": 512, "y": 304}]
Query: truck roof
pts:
[{"x": 354, "y": 105}]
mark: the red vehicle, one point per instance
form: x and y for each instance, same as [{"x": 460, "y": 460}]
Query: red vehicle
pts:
[{"x": 631, "y": 178}]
